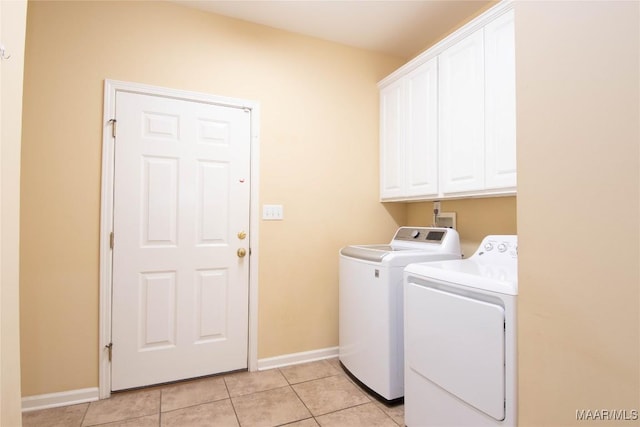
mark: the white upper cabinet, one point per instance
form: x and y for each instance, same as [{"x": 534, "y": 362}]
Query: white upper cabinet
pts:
[
  {"x": 462, "y": 115},
  {"x": 421, "y": 145},
  {"x": 409, "y": 134},
  {"x": 448, "y": 116},
  {"x": 391, "y": 158},
  {"x": 500, "y": 103}
]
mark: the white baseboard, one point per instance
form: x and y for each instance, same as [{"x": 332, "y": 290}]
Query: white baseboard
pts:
[
  {"x": 74, "y": 397},
  {"x": 297, "y": 358},
  {"x": 64, "y": 398}
]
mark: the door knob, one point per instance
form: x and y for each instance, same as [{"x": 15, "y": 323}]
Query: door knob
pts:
[{"x": 241, "y": 252}]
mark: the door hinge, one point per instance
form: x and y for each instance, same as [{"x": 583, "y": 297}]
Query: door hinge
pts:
[
  {"x": 113, "y": 127},
  {"x": 111, "y": 240},
  {"x": 109, "y": 348}
]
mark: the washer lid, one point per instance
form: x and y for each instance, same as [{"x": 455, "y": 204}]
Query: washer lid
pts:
[
  {"x": 370, "y": 252},
  {"x": 408, "y": 243}
]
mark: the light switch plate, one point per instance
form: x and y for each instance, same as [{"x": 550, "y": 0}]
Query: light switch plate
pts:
[{"x": 272, "y": 212}]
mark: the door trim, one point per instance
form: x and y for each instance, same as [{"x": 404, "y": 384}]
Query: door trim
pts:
[{"x": 111, "y": 87}]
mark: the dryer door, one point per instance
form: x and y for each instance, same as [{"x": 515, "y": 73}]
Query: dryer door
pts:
[{"x": 458, "y": 343}]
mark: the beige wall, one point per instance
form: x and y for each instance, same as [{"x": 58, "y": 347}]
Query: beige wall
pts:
[
  {"x": 475, "y": 218},
  {"x": 318, "y": 157},
  {"x": 578, "y": 209},
  {"x": 577, "y": 154},
  {"x": 13, "y": 20}
]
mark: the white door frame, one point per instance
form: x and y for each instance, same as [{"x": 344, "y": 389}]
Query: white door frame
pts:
[{"x": 111, "y": 87}]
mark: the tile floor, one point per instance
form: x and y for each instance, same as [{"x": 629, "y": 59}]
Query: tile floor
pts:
[{"x": 310, "y": 394}]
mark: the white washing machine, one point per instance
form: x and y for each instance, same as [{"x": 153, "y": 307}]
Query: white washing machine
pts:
[
  {"x": 460, "y": 338},
  {"x": 371, "y": 310}
]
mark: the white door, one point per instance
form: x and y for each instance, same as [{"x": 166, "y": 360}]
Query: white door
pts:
[
  {"x": 422, "y": 130},
  {"x": 391, "y": 130},
  {"x": 457, "y": 343},
  {"x": 500, "y": 102},
  {"x": 461, "y": 96},
  {"x": 181, "y": 204}
]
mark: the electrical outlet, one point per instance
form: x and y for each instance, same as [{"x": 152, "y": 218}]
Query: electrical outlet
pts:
[
  {"x": 272, "y": 212},
  {"x": 446, "y": 219}
]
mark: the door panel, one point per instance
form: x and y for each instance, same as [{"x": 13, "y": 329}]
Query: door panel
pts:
[
  {"x": 159, "y": 201},
  {"x": 500, "y": 94},
  {"x": 181, "y": 195},
  {"x": 157, "y": 314},
  {"x": 213, "y": 193},
  {"x": 422, "y": 130},
  {"x": 211, "y": 310},
  {"x": 457, "y": 343},
  {"x": 461, "y": 97},
  {"x": 391, "y": 133}
]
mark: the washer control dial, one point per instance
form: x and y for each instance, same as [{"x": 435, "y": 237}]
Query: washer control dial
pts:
[
  {"x": 502, "y": 247},
  {"x": 488, "y": 246}
]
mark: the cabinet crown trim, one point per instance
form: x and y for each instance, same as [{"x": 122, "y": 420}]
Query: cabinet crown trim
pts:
[{"x": 464, "y": 31}]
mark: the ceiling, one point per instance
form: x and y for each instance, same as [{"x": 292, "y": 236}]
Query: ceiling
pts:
[{"x": 395, "y": 27}]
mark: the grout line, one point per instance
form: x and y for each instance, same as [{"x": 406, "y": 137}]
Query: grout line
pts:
[
  {"x": 294, "y": 422},
  {"x": 284, "y": 376},
  {"x": 337, "y": 410},
  {"x": 160, "y": 408},
  {"x": 291, "y": 386},
  {"x": 302, "y": 401},
  {"x": 344, "y": 409},
  {"x": 85, "y": 414},
  {"x": 195, "y": 405},
  {"x": 338, "y": 373},
  {"x": 114, "y": 422},
  {"x": 226, "y": 386}
]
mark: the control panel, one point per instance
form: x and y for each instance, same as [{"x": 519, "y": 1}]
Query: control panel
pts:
[
  {"x": 499, "y": 246},
  {"x": 421, "y": 234}
]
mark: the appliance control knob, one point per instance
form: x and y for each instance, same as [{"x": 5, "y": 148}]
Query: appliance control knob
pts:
[
  {"x": 488, "y": 247},
  {"x": 502, "y": 247},
  {"x": 415, "y": 234}
]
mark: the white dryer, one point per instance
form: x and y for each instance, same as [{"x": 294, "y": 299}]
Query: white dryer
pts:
[
  {"x": 371, "y": 310},
  {"x": 460, "y": 338}
]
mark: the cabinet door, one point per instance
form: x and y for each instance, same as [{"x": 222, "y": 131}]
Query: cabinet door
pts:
[
  {"x": 421, "y": 146},
  {"x": 391, "y": 170},
  {"x": 461, "y": 96},
  {"x": 500, "y": 101}
]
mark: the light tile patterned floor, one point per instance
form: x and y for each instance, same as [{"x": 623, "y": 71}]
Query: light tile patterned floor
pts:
[{"x": 306, "y": 395}]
